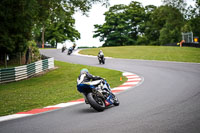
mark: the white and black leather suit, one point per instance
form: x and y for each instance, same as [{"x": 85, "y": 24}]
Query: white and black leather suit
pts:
[
  {"x": 100, "y": 54},
  {"x": 85, "y": 81}
]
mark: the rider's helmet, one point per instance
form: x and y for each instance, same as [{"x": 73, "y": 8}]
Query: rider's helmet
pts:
[
  {"x": 84, "y": 70},
  {"x": 100, "y": 53}
]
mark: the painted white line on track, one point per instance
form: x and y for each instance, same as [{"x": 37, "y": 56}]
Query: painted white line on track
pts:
[
  {"x": 62, "y": 105},
  {"x": 134, "y": 79},
  {"x": 131, "y": 83},
  {"x": 121, "y": 88},
  {"x": 135, "y": 76},
  {"x": 14, "y": 116}
]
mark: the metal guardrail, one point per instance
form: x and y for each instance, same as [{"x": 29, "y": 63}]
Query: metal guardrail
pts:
[{"x": 25, "y": 71}]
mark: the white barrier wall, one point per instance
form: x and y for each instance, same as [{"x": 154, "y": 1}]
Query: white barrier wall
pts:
[{"x": 25, "y": 71}]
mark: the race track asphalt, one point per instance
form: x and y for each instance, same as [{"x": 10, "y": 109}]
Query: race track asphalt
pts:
[{"x": 168, "y": 101}]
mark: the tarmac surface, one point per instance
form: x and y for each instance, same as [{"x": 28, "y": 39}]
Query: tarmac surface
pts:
[{"x": 168, "y": 101}]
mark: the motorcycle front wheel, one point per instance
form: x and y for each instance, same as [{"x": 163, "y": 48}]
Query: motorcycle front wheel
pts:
[
  {"x": 99, "y": 60},
  {"x": 103, "y": 61},
  {"x": 96, "y": 102},
  {"x": 116, "y": 100}
]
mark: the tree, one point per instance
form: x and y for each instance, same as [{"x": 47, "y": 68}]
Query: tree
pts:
[
  {"x": 168, "y": 21},
  {"x": 60, "y": 31},
  {"x": 17, "y": 20},
  {"x": 135, "y": 17},
  {"x": 112, "y": 30},
  {"x": 194, "y": 20},
  {"x": 179, "y": 4},
  {"x": 23, "y": 19},
  {"x": 60, "y": 26},
  {"x": 54, "y": 13},
  {"x": 150, "y": 33},
  {"x": 122, "y": 25},
  {"x": 191, "y": 15}
]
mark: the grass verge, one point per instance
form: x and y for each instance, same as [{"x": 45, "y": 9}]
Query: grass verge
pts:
[
  {"x": 54, "y": 87},
  {"x": 164, "y": 53}
]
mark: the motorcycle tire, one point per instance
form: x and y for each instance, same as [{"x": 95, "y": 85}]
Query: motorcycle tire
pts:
[
  {"x": 96, "y": 102},
  {"x": 116, "y": 100},
  {"x": 103, "y": 61},
  {"x": 99, "y": 60}
]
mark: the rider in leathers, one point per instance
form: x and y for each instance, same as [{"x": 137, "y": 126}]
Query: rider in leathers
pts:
[
  {"x": 100, "y": 54},
  {"x": 84, "y": 80}
]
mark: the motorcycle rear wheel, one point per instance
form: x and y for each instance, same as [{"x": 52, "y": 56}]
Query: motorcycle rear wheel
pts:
[{"x": 96, "y": 102}]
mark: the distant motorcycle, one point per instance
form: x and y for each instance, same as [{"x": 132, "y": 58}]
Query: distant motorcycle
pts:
[
  {"x": 63, "y": 49},
  {"x": 101, "y": 59},
  {"x": 70, "y": 50},
  {"x": 101, "y": 97}
]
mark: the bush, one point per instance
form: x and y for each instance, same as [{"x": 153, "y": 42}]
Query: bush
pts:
[
  {"x": 142, "y": 40},
  {"x": 33, "y": 51}
]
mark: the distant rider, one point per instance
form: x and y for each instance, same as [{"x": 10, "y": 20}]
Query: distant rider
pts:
[
  {"x": 100, "y": 54},
  {"x": 84, "y": 80},
  {"x": 74, "y": 46}
]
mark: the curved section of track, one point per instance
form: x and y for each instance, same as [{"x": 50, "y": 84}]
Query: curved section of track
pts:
[
  {"x": 168, "y": 101},
  {"x": 133, "y": 81}
]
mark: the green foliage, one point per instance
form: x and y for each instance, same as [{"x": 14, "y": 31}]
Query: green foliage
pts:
[
  {"x": 35, "y": 53},
  {"x": 134, "y": 24},
  {"x": 194, "y": 20},
  {"x": 186, "y": 28},
  {"x": 121, "y": 27},
  {"x": 148, "y": 28},
  {"x": 178, "y": 4},
  {"x": 169, "y": 21},
  {"x": 23, "y": 20},
  {"x": 56, "y": 23},
  {"x": 195, "y": 25},
  {"x": 17, "y": 19},
  {"x": 150, "y": 25},
  {"x": 191, "y": 15},
  {"x": 61, "y": 27},
  {"x": 142, "y": 40}
]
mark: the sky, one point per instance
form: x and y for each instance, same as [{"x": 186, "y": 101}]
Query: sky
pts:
[{"x": 85, "y": 25}]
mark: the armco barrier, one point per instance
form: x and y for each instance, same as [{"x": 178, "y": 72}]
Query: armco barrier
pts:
[{"x": 25, "y": 71}]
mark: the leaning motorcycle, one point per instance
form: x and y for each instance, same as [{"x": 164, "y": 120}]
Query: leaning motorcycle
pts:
[
  {"x": 63, "y": 49},
  {"x": 70, "y": 50},
  {"x": 101, "y": 97}
]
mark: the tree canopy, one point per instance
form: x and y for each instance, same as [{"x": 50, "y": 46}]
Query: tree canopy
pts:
[
  {"x": 24, "y": 20},
  {"x": 121, "y": 26},
  {"x": 134, "y": 24},
  {"x": 17, "y": 19}
]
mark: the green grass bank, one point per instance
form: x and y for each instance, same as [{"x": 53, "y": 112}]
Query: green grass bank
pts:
[
  {"x": 56, "y": 86},
  {"x": 162, "y": 53}
]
